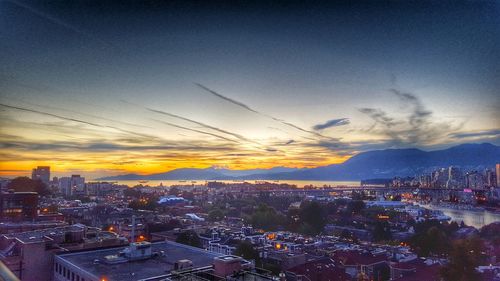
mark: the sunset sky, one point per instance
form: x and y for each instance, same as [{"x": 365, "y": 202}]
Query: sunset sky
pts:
[{"x": 104, "y": 89}]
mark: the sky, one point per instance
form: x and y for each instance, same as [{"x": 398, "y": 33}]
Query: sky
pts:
[{"x": 104, "y": 88}]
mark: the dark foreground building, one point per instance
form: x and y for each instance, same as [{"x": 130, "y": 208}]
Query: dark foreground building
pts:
[
  {"x": 18, "y": 206},
  {"x": 151, "y": 262}
]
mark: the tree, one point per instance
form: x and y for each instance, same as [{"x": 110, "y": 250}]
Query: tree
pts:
[
  {"x": 465, "y": 256},
  {"x": 382, "y": 273},
  {"x": 132, "y": 192},
  {"x": 215, "y": 215},
  {"x": 144, "y": 204},
  {"x": 355, "y": 207},
  {"x": 25, "y": 184},
  {"x": 432, "y": 238},
  {"x": 312, "y": 217},
  {"x": 266, "y": 218},
  {"x": 382, "y": 231},
  {"x": 190, "y": 238},
  {"x": 246, "y": 250},
  {"x": 347, "y": 235},
  {"x": 491, "y": 232}
]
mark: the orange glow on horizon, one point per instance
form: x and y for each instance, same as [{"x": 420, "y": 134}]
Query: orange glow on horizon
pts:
[{"x": 95, "y": 167}]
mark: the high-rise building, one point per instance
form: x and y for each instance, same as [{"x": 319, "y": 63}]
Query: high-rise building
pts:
[
  {"x": 498, "y": 174},
  {"x": 439, "y": 178},
  {"x": 78, "y": 185},
  {"x": 454, "y": 178},
  {"x": 425, "y": 181},
  {"x": 491, "y": 178},
  {"x": 41, "y": 173},
  {"x": 474, "y": 180},
  {"x": 68, "y": 186}
]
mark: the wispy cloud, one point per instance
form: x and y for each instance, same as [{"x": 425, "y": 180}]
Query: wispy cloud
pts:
[
  {"x": 242, "y": 105},
  {"x": 194, "y": 130},
  {"x": 419, "y": 128},
  {"x": 420, "y": 114},
  {"x": 238, "y": 136},
  {"x": 332, "y": 123},
  {"x": 73, "y": 120},
  {"x": 230, "y": 99},
  {"x": 379, "y": 116},
  {"x": 61, "y": 23},
  {"x": 104, "y": 146},
  {"x": 487, "y": 133}
]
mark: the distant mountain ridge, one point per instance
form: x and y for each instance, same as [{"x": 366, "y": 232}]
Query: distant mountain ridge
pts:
[
  {"x": 371, "y": 164},
  {"x": 202, "y": 174}
]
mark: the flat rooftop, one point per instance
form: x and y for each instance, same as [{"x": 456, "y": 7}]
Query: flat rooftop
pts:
[
  {"x": 136, "y": 270},
  {"x": 41, "y": 234}
]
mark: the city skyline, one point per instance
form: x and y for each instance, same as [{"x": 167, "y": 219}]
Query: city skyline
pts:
[{"x": 240, "y": 86}]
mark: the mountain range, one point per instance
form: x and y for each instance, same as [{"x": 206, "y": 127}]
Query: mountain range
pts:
[{"x": 365, "y": 165}]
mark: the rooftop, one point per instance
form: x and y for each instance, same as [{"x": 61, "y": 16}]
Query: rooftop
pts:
[
  {"x": 42, "y": 234},
  {"x": 321, "y": 269},
  {"x": 359, "y": 258},
  {"x": 141, "y": 269}
]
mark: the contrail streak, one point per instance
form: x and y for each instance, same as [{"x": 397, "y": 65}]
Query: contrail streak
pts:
[
  {"x": 238, "y": 136},
  {"x": 240, "y": 104},
  {"x": 81, "y": 113},
  {"x": 59, "y": 22},
  {"x": 72, "y": 119},
  {"x": 194, "y": 130}
]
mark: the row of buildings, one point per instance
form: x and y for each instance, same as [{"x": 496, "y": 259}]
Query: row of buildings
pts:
[
  {"x": 73, "y": 185},
  {"x": 453, "y": 178}
]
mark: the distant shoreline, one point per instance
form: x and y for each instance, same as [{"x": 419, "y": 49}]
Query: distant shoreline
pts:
[{"x": 298, "y": 183}]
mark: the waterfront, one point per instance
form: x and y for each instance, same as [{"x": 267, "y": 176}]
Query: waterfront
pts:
[
  {"x": 476, "y": 219},
  {"x": 298, "y": 183}
]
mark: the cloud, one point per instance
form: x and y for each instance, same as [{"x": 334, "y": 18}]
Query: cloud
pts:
[
  {"x": 289, "y": 142},
  {"x": 103, "y": 146},
  {"x": 418, "y": 128},
  {"x": 240, "y": 104},
  {"x": 62, "y": 23},
  {"x": 228, "y": 99},
  {"x": 332, "y": 123},
  {"x": 238, "y": 136},
  {"x": 420, "y": 113},
  {"x": 335, "y": 146},
  {"x": 487, "y": 133},
  {"x": 256, "y": 144},
  {"x": 194, "y": 130},
  {"x": 379, "y": 116},
  {"x": 86, "y": 114},
  {"x": 74, "y": 120}
]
